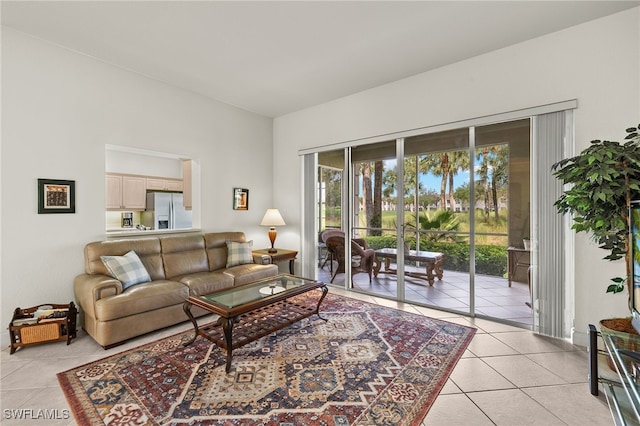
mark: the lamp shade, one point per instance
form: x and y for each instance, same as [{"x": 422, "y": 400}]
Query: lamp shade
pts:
[{"x": 272, "y": 218}]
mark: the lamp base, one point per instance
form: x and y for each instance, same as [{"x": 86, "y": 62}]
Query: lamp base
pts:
[{"x": 272, "y": 238}]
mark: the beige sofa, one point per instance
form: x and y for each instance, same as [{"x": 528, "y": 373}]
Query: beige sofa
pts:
[{"x": 178, "y": 266}]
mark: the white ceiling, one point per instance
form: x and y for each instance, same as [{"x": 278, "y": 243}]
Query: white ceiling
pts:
[{"x": 273, "y": 58}]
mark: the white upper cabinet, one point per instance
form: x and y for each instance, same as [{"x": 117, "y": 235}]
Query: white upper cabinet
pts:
[{"x": 161, "y": 184}]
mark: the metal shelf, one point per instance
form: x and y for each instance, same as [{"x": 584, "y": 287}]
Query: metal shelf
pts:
[{"x": 622, "y": 393}]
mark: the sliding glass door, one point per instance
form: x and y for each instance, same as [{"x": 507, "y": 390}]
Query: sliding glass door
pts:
[
  {"x": 503, "y": 221},
  {"x": 444, "y": 213},
  {"x": 439, "y": 219},
  {"x": 330, "y": 207},
  {"x": 375, "y": 214}
]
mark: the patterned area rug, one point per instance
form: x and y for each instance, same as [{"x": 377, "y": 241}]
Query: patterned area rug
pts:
[{"x": 367, "y": 365}]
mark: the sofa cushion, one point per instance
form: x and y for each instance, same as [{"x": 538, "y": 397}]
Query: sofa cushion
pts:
[
  {"x": 183, "y": 255},
  {"x": 127, "y": 269},
  {"x": 239, "y": 253},
  {"x": 247, "y": 273},
  {"x": 216, "y": 247},
  {"x": 141, "y": 298},
  {"x": 147, "y": 249},
  {"x": 202, "y": 283}
]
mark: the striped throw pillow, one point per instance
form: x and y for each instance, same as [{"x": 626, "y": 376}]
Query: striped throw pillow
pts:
[
  {"x": 239, "y": 253},
  {"x": 127, "y": 269}
]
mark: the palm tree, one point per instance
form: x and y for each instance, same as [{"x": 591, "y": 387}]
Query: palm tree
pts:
[
  {"x": 412, "y": 185},
  {"x": 500, "y": 172},
  {"x": 389, "y": 178},
  {"x": 446, "y": 165},
  {"x": 459, "y": 160},
  {"x": 445, "y": 222},
  {"x": 483, "y": 155},
  {"x": 437, "y": 164},
  {"x": 376, "y": 220},
  {"x": 493, "y": 173},
  {"x": 367, "y": 192}
]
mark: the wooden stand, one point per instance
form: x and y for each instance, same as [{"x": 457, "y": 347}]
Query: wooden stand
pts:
[
  {"x": 279, "y": 255},
  {"x": 45, "y": 330}
]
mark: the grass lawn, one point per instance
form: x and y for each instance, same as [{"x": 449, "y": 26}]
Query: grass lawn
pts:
[{"x": 483, "y": 226}]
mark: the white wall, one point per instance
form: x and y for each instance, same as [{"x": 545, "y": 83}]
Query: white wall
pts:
[
  {"x": 59, "y": 109},
  {"x": 597, "y": 63},
  {"x": 143, "y": 164}
]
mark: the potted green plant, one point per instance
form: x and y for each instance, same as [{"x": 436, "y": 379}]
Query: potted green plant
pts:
[{"x": 603, "y": 179}]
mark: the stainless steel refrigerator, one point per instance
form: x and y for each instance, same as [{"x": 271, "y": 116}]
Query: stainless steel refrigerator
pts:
[{"x": 165, "y": 210}]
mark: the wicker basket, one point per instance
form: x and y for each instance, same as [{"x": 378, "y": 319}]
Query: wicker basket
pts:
[{"x": 40, "y": 333}]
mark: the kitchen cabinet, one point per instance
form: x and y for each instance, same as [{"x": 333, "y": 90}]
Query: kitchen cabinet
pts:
[
  {"x": 113, "y": 191},
  {"x": 187, "y": 180},
  {"x": 160, "y": 184},
  {"x": 124, "y": 192}
]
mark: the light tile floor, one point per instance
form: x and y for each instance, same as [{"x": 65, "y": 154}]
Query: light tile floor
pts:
[{"x": 507, "y": 376}]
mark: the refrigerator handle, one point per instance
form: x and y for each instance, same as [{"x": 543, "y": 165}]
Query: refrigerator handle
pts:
[{"x": 172, "y": 215}]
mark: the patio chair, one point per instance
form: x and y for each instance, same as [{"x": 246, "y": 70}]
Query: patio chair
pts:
[
  {"x": 324, "y": 235},
  {"x": 362, "y": 259}
]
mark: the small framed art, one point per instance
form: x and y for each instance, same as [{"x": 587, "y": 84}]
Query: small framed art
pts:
[
  {"x": 240, "y": 199},
  {"x": 56, "y": 196}
]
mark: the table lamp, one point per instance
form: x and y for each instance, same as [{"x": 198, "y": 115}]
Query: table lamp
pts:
[{"x": 272, "y": 218}]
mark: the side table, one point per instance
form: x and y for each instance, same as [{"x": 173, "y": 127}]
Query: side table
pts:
[
  {"x": 281, "y": 255},
  {"x": 517, "y": 257},
  {"x": 40, "y": 324},
  {"x": 621, "y": 389}
]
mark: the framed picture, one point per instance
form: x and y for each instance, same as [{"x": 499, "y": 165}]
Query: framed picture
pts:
[
  {"x": 240, "y": 199},
  {"x": 56, "y": 196}
]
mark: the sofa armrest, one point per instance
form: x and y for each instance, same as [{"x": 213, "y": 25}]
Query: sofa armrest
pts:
[
  {"x": 261, "y": 259},
  {"x": 88, "y": 289}
]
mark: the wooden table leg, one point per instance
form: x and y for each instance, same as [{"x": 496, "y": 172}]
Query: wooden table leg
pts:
[
  {"x": 187, "y": 309},
  {"x": 376, "y": 265},
  {"x": 291, "y": 266},
  {"x": 325, "y": 290},
  {"x": 437, "y": 267},
  {"x": 430, "y": 265},
  {"x": 227, "y": 326},
  {"x": 434, "y": 269}
]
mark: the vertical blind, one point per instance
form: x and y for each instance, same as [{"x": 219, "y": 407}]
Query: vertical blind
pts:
[
  {"x": 309, "y": 215},
  {"x": 549, "y": 255}
]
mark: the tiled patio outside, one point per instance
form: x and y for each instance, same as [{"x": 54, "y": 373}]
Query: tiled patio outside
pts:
[{"x": 493, "y": 296}]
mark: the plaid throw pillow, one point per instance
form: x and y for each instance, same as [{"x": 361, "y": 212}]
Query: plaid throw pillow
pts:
[
  {"x": 127, "y": 269},
  {"x": 239, "y": 253}
]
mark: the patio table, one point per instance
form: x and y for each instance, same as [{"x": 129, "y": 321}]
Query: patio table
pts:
[{"x": 433, "y": 263}]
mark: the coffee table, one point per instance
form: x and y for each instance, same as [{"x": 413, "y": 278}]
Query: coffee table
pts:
[{"x": 254, "y": 310}]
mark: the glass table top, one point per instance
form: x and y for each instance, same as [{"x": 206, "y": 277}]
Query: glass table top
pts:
[{"x": 258, "y": 290}]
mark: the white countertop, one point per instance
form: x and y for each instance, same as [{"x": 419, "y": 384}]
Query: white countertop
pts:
[{"x": 133, "y": 232}]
